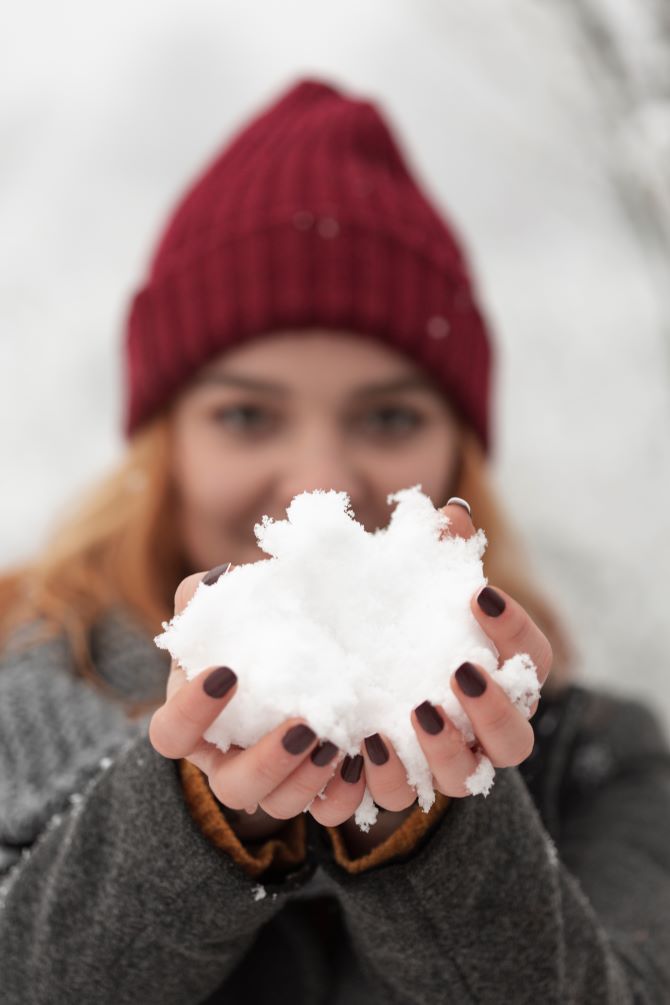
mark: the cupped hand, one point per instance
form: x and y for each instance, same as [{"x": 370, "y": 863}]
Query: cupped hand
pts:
[
  {"x": 275, "y": 778},
  {"x": 502, "y": 731},
  {"x": 287, "y": 769}
]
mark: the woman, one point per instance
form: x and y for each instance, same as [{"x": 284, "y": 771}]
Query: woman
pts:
[{"x": 303, "y": 293}]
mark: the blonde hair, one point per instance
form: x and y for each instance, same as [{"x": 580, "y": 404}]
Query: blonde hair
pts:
[{"x": 118, "y": 546}]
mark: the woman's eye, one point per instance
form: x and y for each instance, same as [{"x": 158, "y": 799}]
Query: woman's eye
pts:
[
  {"x": 241, "y": 417},
  {"x": 385, "y": 421},
  {"x": 392, "y": 419}
]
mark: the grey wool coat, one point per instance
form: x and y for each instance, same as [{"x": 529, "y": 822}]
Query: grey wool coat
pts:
[{"x": 553, "y": 889}]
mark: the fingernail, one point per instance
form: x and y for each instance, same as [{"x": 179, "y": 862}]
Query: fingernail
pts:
[
  {"x": 377, "y": 749},
  {"x": 219, "y": 682},
  {"x": 298, "y": 738},
  {"x": 490, "y": 602},
  {"x": 429, "y": 718},
  {"x": 459, "y": 502},
  {"x": 470, "y": 680},
  {"x": 215, "y": 573},
  {"x": 351, "y": 768},
  {"x": 323, "y": 753}
]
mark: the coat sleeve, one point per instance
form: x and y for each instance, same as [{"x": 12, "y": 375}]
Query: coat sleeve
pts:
[
  {"x": 487, "y": 907},
  {"x": 285, "y": 850},
  {"x": 401, "y": 842},
  {"x": 109, "y": 888}
]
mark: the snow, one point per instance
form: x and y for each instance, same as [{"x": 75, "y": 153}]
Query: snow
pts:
[{"x": 350, "y": 630}]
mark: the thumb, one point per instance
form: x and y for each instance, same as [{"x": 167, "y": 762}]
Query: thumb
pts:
[{"x": 183, "y": 595}]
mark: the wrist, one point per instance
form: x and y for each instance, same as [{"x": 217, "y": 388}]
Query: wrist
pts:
[
  {"x": 360, "y": 842},
  {"x": 256, "y": 826}
]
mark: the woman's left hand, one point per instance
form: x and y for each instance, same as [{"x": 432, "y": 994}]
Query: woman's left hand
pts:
[{"x": 503, "y": 733}]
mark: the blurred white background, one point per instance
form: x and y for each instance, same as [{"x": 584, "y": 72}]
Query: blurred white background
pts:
[{"x": 542, "y": 130}]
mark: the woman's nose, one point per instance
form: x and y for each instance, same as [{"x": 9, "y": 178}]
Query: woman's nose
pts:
[
  {"x": 322, "y": 478},
  {"x": 319, "y": 462}
]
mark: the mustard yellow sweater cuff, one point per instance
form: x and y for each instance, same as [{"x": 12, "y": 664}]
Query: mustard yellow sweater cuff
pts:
[
  {"x": 400, "y": 842},
  {"x": 287, "y": 848}
]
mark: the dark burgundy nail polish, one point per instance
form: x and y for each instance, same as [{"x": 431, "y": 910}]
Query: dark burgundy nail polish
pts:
[
  {"x": 470, "y": 680},
  {"x": 219, "y": 682},
  {"x": 491, "y": 602},
  {"x": 215, "y": 573},
  {"x": 298, "y": 738},
  {"x": 351, "y": 768},
  {"x": 429, "y": 718},
  {"x": 377, "y": 749},
  {"x": 324, "y": 753}
]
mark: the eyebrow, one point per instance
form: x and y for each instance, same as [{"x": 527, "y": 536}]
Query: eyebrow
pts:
[{"x": 417, "y": 382}]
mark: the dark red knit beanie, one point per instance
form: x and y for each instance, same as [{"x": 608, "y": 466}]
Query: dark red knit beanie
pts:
[{"x": 308, "y": 217}]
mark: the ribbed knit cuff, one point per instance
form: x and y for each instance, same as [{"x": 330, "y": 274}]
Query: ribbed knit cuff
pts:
[
  {"x": 401, "y": 842},
  {"x": 285, "y": 850}
]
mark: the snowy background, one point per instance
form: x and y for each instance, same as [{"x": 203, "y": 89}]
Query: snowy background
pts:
[{"x": 542, "y": 129}]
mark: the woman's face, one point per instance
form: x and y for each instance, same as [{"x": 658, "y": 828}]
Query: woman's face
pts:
[{"x": 297, "y": 411}]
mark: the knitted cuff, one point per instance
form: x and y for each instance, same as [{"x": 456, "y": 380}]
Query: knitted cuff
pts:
[
  {"x": 401, "y": 842},
  {"x": 286, "y": 849}
]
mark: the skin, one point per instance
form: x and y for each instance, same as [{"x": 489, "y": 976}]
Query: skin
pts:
[
  {"x": 232, "y": 468},
  {"x": 240, "y": 452}
]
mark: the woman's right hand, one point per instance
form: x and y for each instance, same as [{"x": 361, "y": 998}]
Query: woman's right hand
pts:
[{"x": 281, "y": 773}]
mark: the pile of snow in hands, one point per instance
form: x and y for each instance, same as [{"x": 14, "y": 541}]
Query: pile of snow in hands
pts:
[{"x": 349, "y": 630}]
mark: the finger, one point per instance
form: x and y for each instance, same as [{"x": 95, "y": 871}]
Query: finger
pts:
[
  {"x": 207, "y": 756},
  {"x": 386, "y": 775},
  {"x": 343, "y": 793},
  {"x": 505, "y": 734},
  {"x": 257, "y": 771},
  {"x": 177, "y": 726},
  {"x": 188, "y": 586},
  {"x": 176, "y": 679},
  {"x": 460, "y": 520},
  {"x": 292, "y": 795},
  {"x": 186, "y": 589},
  {"x": 183, "y": 594},
  {"x": 511, "y": 629},
  {"x": 449, "y": 756}
]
